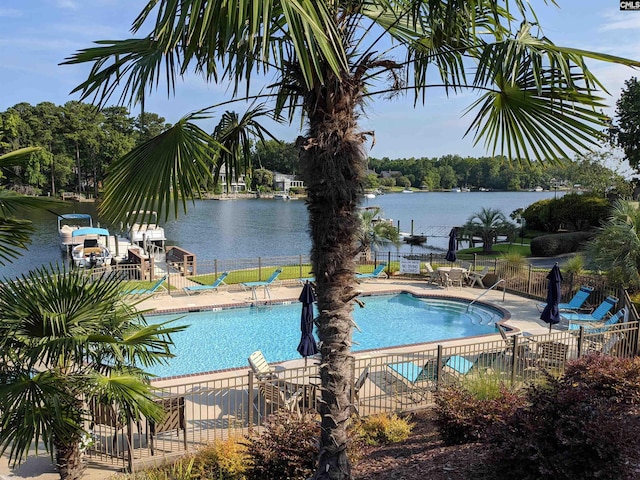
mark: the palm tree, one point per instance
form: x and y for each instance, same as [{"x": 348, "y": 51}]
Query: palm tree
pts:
[
  {"x": 374, "y": 230},
  {"x": 65, "y": 340},
  {"x": 329, "y": 57},
  {"x": 488, "y": 223},
  {"x": 616, "y": 247}
]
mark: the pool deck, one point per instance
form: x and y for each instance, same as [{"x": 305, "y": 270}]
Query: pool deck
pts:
[{"x": 523, "y": 316}]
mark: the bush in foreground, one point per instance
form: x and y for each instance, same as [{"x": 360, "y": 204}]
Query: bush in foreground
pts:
[{"x": 583, "y": 425}]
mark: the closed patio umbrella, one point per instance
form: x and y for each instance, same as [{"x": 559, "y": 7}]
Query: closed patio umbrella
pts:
[
  {"x": 551, "y": 312},
  {"x": 307, "y": 346},
  {"x": 453, "y": 240}
]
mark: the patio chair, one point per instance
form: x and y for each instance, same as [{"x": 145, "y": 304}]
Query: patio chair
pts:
[
  {"x": 148, "y": 291},
  {"x": 111, "y": 416},
  {"x": 173, "y": 419},
  {"x": 455, "y": 277},
  {"x": 457, "y": 366},
  {"x": 213, "y": 286},
  {"x": 431, "y": 275},
  {"x": 477, "y": 277},
  {"x": 551, "y": 354},
  {"x": 254, "y": 285},
  {"x": 276, "y": 397},
  {"x": 598, "y": 315},
  {"x": 378, "y": 272},
  {"x": 260, "y": 366},
  {"x": 575, "y": 303}
]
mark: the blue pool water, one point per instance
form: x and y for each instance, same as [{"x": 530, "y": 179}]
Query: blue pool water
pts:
[{"x": 225, "y": 338}]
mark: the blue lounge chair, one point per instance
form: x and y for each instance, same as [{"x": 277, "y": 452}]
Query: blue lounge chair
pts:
[
  {"x": 254, "y": 285},
  {"x": 147, "y": 291},
  {"x": 213, "y": 286},
  {"x": 606, "y": 326},
  {"x": 598, "y": 315},
  {"x": 375, "y": 274},
  {"x": 575, "y": 303}
]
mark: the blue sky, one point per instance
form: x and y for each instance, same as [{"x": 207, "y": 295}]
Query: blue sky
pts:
[{"x": 36, "y": 35}]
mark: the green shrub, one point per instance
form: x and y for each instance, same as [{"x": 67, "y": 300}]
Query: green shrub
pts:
[
  {"x": 222, "y": 460},
  {"x": 382, "y": 428},
  {"x": 287, "y": 448},
  {"x": 583, "y": 425},
  {"x": 464, "y": 416},
  {"x": 559, "y": 243},
  {"x": 180, "y": 470}
]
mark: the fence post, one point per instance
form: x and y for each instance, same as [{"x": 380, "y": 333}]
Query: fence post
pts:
[
  {"x": 580, "y": 340},
  {"x": 514, "y": 363},
  {"x": 529, "y": 282},
  {"x": 260, "y": 269},
  {"x": 215, "y": 267},
  {"x": 250, "y": 402},
  {"x": 439, "y": 363},
  {"x": 388, "y": 263},
  {"x": 300, "y": 263}
]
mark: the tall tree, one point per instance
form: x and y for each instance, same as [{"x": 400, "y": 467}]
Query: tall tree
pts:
[
  {"x": 536, "y": 99},
  {"x": 626, "y": 131}
]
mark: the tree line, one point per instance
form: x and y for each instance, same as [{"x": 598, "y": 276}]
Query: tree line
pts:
[{"x": 78, "y": 143}]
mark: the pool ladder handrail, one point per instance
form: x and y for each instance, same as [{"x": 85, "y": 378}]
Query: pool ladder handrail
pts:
[{"x": 504, "y": 291}]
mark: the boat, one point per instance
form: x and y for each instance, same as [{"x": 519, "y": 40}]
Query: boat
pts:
[
  {"x": 67, "y": 224},
  {"x": 146, "y": 232},
  {"x": 369, "y": 195},
  {"x": 406, "y": 190},
  {"x": 281, "y": 196},
  {"x": 93, "y": 251}
]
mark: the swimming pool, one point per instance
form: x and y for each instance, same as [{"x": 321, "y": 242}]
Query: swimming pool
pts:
[{"x": 225, "y": 338}]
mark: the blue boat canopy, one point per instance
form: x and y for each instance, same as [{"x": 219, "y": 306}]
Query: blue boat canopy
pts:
[
  {"x": 75, "y": 216},
  {"x": 90, "y": 231}
]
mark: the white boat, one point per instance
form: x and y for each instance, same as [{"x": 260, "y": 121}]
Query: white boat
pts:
[
  {"x": 93, "y": 251},
  {"x": 406, "y": 190},
  {"x": 67, "y": 224},
  {"x": 146, "y": 232},
  {"x": 456, "y": 189},
  {"x": 369, "y": 195},
  {"x": 281, "y": 196}
]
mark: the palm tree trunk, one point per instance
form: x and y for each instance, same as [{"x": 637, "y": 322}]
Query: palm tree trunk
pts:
[
  {"x": 333, "y": 164},
  {"x": 69, "y": 461}
]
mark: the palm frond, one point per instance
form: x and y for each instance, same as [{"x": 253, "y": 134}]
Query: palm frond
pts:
[
  {"x": 165, "y": 171},
  {"x": 15, "y": 236},
  {"x": 541, "y": 100}
]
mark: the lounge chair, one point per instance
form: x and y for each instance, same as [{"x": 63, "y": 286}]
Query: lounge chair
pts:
[
  {"x": 416, "y": 378},
  {"x": 598, "y": 315},
  {"x": 357, "y": 386},
  {"x": 174, "y": 419},
  {"x": 148, "y": 291},
  {"x": 575, "y": 303},
  {"x": 478, "y": 277},
  {"x": 458, "y": 365},
  {"x": 261, "y": 367},
  {"x": 379, "y": 271},
  {"x": 254, "y": 285},
  {"x": 431, "y": 274},
  {"x": 213, "y": 286},
  {"x": 610, "y": 322}
]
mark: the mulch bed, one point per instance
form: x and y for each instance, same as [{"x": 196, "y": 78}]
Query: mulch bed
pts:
[{"x": 422, "y": 456}]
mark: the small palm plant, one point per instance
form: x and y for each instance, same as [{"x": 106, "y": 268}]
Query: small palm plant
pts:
[
  {"x": 66, "y": 340},
  {"x": 374, "y": 230},
  {"x": 488, "y": 223}
]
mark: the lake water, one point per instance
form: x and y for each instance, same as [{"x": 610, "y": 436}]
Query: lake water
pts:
[{"x": 248, "y": 228}]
